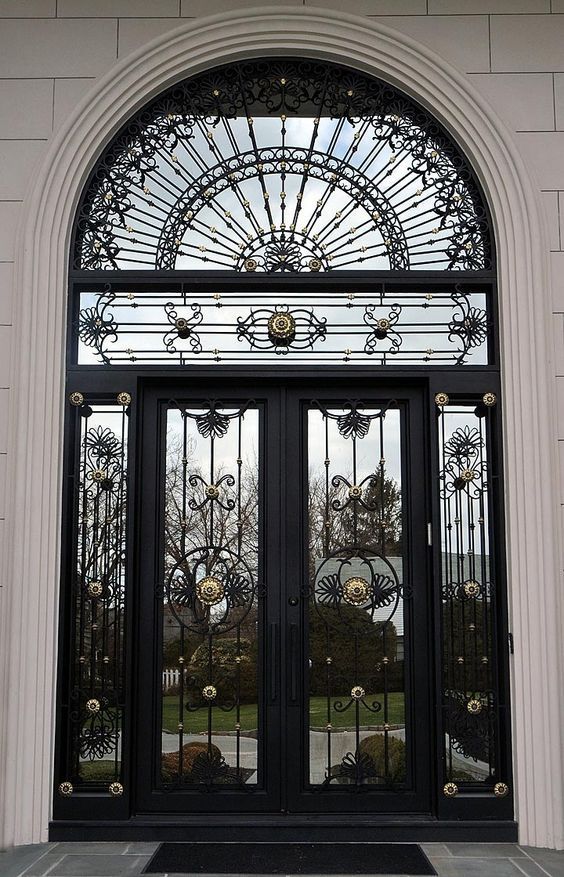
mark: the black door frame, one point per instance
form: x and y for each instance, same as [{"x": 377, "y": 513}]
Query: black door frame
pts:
[
  {"x": 89, "y": 814},
  {"x": 284, "y": 728}
]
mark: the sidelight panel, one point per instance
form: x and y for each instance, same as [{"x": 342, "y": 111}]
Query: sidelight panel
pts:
[
  {"x": 472, "y": 701},
  {"x": 94, "y": 697},
  {"x": 210, "y": 600},
  {"x": 357, "y": 593}
]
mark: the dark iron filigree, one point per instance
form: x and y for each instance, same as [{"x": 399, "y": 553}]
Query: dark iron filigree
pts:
[
  {"x": 357, "y": 768},
  {"x": 354, "y": 422},
  {"x": 382, "y": 328},
  {"x": 471, "y": 731},
  {"x": 373, "y": 325},
  {"x": 281, "y": 329},
  {"x": 172, "y": 191},
  {"x": 96, "y": 325},
  {"x": 465, "y": 467},
  {"x": 469, "y": 324},
  {"x": 184, "y": 328},
  {"x": 331, "y": 586}
]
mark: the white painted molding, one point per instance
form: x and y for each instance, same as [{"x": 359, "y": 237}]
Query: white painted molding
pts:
[{"x": 32, "y": 571}]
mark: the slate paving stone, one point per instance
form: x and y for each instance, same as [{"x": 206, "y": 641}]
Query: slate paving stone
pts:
[
  {"x": 488, "y": 851},
  {"x": 476, "y": 867},
  {"x": 530, "y": 868},
  {"x": 14, "y": 861},
  {"x": 551, "y": 860},
  {"x": 104, "y": 859},
  {"x": 43, "y": 865},
  {"x": 141, "y": 848},
  {"x": 90, "y": 848},
  {"x": 98, "y": 865},
  {"x": 435, "y": 849}
]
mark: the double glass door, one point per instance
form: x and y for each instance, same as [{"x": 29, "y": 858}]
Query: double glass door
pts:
[{"x": 283, "y": 633}]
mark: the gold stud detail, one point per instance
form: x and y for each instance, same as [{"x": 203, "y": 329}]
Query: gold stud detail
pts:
[
  {"x": 97, "y": 475},
  {"x": 489, "y": 399},
  {"x": 115, "y": 790},
  {"x": 281, "y": 328},
  {"x": 212, "y": 491},
  {"x": 76, "y": 398},
  {"x": 251, "y": 265},
  {"x": 95, "y": 589},
  {"x": 441, "y": 399},
  {"x": 93, "y": 706},
  {"x": 209, "y": 692},
  {"x": 357, "y": 692},
  {"x": 383, "y": 324},
  {"x": 124, "y": 399},
  {"x": 356, "y": 591},
  {"x": 501, "y": 790},
  {"x": 314, "y": 264},
  {"x": 450, "y": 790},
  {"x": 468, "y": 474},
  {"x": 474, "y": 707},
  {"x": 210, "y": 591},
  {"x": 66, "y": 789},
  {"x": 355, "y": 491},
  {"x": 471, "y": 588}
]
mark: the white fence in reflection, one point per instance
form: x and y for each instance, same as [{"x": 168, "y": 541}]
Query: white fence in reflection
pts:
[{"x": 171, "y": 678}]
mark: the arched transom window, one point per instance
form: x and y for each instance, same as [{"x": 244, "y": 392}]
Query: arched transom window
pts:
[
  {"x": 283, "y": 166},
  {"x": 302, "y": 170}
]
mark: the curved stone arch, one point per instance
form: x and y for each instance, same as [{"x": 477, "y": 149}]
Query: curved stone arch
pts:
[
  {"x": 360, "y": 189},
  {"x": 29, "y": 622}
]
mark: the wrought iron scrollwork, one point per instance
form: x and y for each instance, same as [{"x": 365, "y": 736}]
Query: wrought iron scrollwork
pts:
[
  {"x": 357, "y": 594},
  {"x": 382, "y": 328},
  {"x": 280, "y": 328},
  {"x": 471, "y": 703},
  {"x": 96, "y": 695},
  {"x": 122, "y": 325},
  {"x": 209, "y": 598},
  {"x": 469, "y": 324},
  {"x": 210, "y": 174},
  {"x": 96, "y": 325},
  {"x": 184, "y": 328}
]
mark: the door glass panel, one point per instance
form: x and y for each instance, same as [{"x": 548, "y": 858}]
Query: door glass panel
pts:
[
  {"x": 357, "y": 730},
  {"x": 472, "y": 707},
  {"x": 96, "y": 704},
  {"x": 210, "y": 610}
]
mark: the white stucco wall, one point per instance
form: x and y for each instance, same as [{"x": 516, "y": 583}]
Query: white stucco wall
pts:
[{"x": 51, "y": 52}]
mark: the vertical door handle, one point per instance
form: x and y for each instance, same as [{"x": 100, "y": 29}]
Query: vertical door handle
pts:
[
  {"x": 293, "y": 662},
  {"x": 273, "y": 661}
]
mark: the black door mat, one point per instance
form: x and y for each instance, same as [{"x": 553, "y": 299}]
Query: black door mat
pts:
[{"x": 289, "y": 858}]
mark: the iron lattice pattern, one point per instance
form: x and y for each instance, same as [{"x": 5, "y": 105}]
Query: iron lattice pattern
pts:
[
  {"x": 282, "y": 165},
  {"x": 381, "y": 324},
  {"x": 210, "y": 599},
  {"x": 96, "y": 695},
  {"x": 356, "y": 597},
  {"x": 472, "y": 710}
]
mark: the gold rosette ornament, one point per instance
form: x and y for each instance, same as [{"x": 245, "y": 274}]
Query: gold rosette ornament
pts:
[
  {"x": 210, "y": 591},
  {"x": 281, "y": 328},
  {"x": 356, "y": 591}
]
